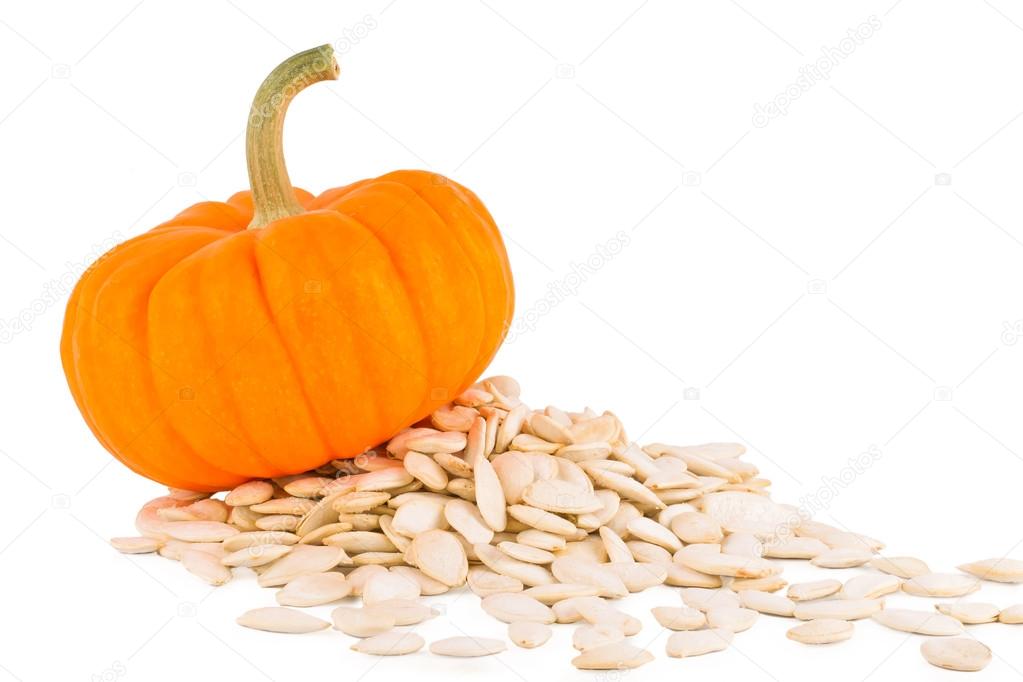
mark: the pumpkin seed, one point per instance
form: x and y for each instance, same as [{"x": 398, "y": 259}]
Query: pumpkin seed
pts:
[
  {"x": 795, "y": 548},
  {"x": 381, "y": 587},
  {"x": 490, "y": 496},
  {"x": 199, "y": 531},
  {"x": 919, "y": 622},
  {"x": 280, "y": 619},
  {"x": 715, "y": 563},
  {"x": 510, "y": 427},
  {"x": 256, "y": 555},
  {"x": 582, "y": 572},
  {"x": 301, "y": 560},
  {"x": 314, "y": 589},
  {"x": 817, "y": 589},
  {"x": 617, "y": 656},
  {"x": 250, "y": 493},
  {"x": 1002, "y": 570},
  {"x": 969, "y": 613},
  {"x": 206, "y": 566},
  {"x": 297, "y": 506},
  {"x": 1012, "y": 615},
  {"x": 956, "y": 653},
  {"x": 821, "y": 631},
  {"x": 440, "y": 556},
  {"x": 705, "y": 599},
  {"x": 390, "y": 644},
  {"x": 360, "y": 501},
  {"x": 679, "y": 618},
  {"x": 527, "y": 634},
  {"x": 259, "y": 537},
  {"x": 588, "y": 637},
  {"x": 540, "y": 539},
  {"x": 419, "y": 516},
  {"x": 425, "y": 469},
  {"x": 870, "y": 586},
  {"x": 529, "y": 574},
  {"x": 561, "y": 497},
  {"x": 405, "y": 611},
  {"x": 651, "y": 531},
  {"x": 696, "y": 527},
  {"x": 278, "y": 522},
  {"x": 364, "y": 622},
  {"x": 941, "y": 585},
  {"x": 766, "y": 602},
  {"x": 510, "y": 607},
  {"x": 484, "y": 582},
  {"x": 358, "y": 577},
  {"x": 839, "y": 609},
  {"x": 431, "y": 443},
  {"x": 697, "y": 642},
  {"x": 555, "y": 592},
  {"x": 525, "y": 553},
  {"x": 358, "y": 541},
  {"x": 467, "y": 646},
  {"x": 628, "y": 488},
  {"x": 843, "y": 557},
  {"x": 900, "y": 566},
  {"x": 453, "y": 465},
  {"x": 732, "y": 618},
  {"x": 137, "y": 545}
]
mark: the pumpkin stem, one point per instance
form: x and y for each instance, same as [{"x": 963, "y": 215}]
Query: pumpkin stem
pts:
[{"x": 273, "y": 197}]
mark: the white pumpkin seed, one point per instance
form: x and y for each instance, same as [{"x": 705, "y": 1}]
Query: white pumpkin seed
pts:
[
  {"x": 256, "y": 555},
  {"x": 555, "y": 592},
  {"x": 510, "y": 607},
  {"x": 870, "y": 586},
  {"x": 715, "y": 563},
  {"x": 956, "y": 653},
  {"x": 941, "y": 585},
  {"x": 301, "y": 560},
  {"x": 484, "y": 582},
  {"x": 259, "y": 537},
  {"x": 250, "y": 493},
  {"x": 390, "y": 644},
  {"x": 314, "y": 589},
  {"x": 280, "y": 619},
  {"x": 838, "y": 609},
  {"x": 581, "y": 572},
  {"x": 525, "y": 553},
  {"x": 466, "y": 647},
  {"x": 199, "y": 531},
  {"x": 732, "y": 618},
  {"x": 919, "y": 622},
  {"x": 766, "y": 602},
  {"x": 441, "y": 556},
  {"x": 900, "y": 566},
  {"x": 498, "y": 561},
  {"x": 1013, "y": 615},
  {"x": 206, "y": 566},
  {"x": 528, "y": 635},
  {"x": 364, "y": 622},
  {"x": 1002, "y": 570},
  {"x": 705, "y": 599},
  {"x": 617, "y": 656},
  {"x": 969, "y": 613},
  {"x": 817, "y": 589},
  {"x": 843, "y": 557},
  {"x": 821, "y": 631},
  {"x": 490, "y": 496},
  {"x": 136, "y": 545},
  {"x": 679, "y": 618},
  {"x": 381, "y": 587},
  {"x": 541, "y": 540},
  {"x": 697, "y": 642},
  {"x": 425, "y": 469}
]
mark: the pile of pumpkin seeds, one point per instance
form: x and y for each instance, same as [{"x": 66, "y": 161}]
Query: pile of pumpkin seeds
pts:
[{"x": 552, "y": 517}]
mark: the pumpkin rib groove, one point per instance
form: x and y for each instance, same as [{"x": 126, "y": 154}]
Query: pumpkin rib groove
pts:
[
  {"x": 476, "y": 276},
  {"x": 314, "y": 417},
  {"x": 476, "y": 367},
  {"x": 420, "y": 327},
  {"x": 171, "y": 424},
  {"x": 432, "y": 379}
]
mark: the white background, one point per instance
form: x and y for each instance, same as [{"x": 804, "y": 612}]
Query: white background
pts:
[{"x": 843, "y": 278}]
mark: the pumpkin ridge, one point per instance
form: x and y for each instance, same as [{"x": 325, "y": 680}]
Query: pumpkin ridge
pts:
[
  {"x": 476, "y": 275},
  {"x": 314, "y": 417},
  {"x": 197, "y": 452},
  {"x": 427, "y": 350}
]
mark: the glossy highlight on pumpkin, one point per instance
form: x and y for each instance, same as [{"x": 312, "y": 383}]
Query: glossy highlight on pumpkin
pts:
[{"x": 202, "y": 353}]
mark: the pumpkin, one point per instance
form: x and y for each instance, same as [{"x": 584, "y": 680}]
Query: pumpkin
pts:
[{"x": 268, "y": 334}]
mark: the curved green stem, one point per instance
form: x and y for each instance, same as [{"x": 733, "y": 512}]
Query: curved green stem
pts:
[{"x": 273, "y": 197}]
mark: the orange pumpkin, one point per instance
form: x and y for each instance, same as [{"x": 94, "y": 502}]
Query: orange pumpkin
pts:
[{"x": 270, "y": 333}]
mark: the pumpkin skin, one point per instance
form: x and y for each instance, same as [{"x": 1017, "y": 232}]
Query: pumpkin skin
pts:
[{"x": 202, "y": 354}]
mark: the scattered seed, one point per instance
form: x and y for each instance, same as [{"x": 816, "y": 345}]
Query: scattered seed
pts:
[
  {"x": 697, "y": 642},
  {"x": 280, "y": 619},
  {"x": 839, "y": 609},
  {"x": 467, "y": 647},
  {"x": 821, "y": 631},
  {"x": 843, "y": 557},
  {"x": 1002, "y": 570},
  {"x": 255, "y": 555},
  {"x": 969, "y": 613},
  {"x": 510, "y": 607},
  {"x": 206, "y": 566},
  {"x": 137, "y": 545},
  {"x": 364, "y": 622},
  {"x": 679, "y": 618},
  {"x": 941, "y": 585},
  {"x": 870, "y": 586},
  {"x": 900, "y": 566},
  {"x": 617, "y": 656},
  {"x": 956, "y": 653},
  {"x": 314, "y": 589},
  {"x": 390, "y": 644},
  {"x": 817, "y": 589},
  {"x": 528, "y": 634},
  {"x": 766, "y": 602}
]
